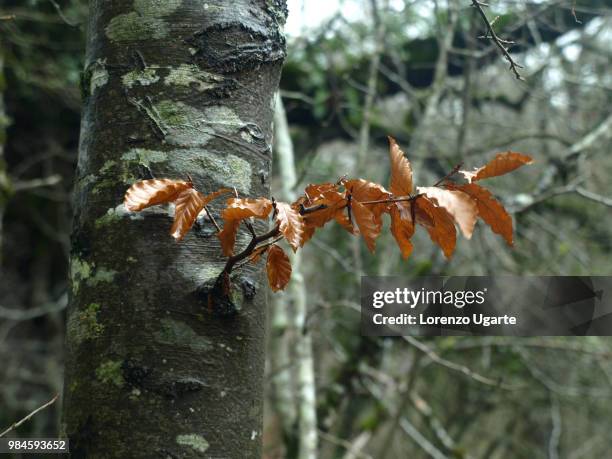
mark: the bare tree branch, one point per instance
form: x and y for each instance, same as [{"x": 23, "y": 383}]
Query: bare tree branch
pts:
[
  {"x": 501, "y": 43},
  {"x": 40, "y": 408}
]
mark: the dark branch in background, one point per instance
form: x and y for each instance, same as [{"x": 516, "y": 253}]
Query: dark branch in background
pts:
[
  {"x": 40, "y": 408},
  {"x": 501, "y": 44}
]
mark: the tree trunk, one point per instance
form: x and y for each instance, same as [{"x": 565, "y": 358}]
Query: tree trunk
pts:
[
  {"x": 5, "y": 186},
  {"x": 172, "y": 88},
  {"x": 290, "y": 334}
]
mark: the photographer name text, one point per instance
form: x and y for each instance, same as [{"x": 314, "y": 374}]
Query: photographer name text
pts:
[{"x": 412, "y": 299}]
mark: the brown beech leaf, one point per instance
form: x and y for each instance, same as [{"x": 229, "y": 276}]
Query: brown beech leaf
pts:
[
  {"x": 316, "y": 190},
  {"x": 241, "y": 208},
  {"x": 422, "y": 217},
  {"x": 500, "y": 165},
  {"x": 366, "y": 221},
  {"x": 146, "y": 193},
  {"x": 443, "y": 231},
  {"x": 402, "y": 226},
  {"x": 308, "y": 233},
  {"x": 343, "y": 220},
  {"x": 279, "y": 268},
  {"x": 227, "y": 236},
  {"x": 291, "y": 224},
  {"x": 334, "y": 203},
  {"x": 458, "y": 204},
  {"x": 401, "y": 171},
  {"x": 489, "y": 209},
  {"x": 188, "y": 205},
  {"x": 364, "y": 191}
]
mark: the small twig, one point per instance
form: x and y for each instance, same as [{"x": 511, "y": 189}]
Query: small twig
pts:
[
  {"x": 40, "y": 408},
  {"x": 212, "y": 219},
  {"x": 309, "y": 210},
  {"x": 450, "y": 174},
  {"x": 593, "y": 196},
  {"x": 434, "y": 357},
  {"x": 498, "y": 41},
  {"x": 37, "y": 183},
  {"x": 399, "y": 199},
  {"x": 61, "y": 14},
  {"x": 259, "y": 247},
  {"x": 231, "y": 261}
]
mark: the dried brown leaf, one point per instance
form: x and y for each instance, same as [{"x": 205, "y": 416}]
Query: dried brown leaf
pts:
[
  {"x": 188, "y": 205},
  {"x": 227, "y": 236},
  {"x": 241, "y": 208},
  {"x": 146, "y": 193},
  {"x": 365, "y": 191},
  {"x": 279, "y": 268},
  {"x": 458, "y": 204},
  {"x": 443, "y": 230},
  {"x": 402, "y": 226},
  {"x": 334, "y": 203},
  {"x": 317, "y": 190},
  {"x": 401, "y": 171},
  {"x": 369, "y": 226},
  {"x": 500, "y": 165},
  {"x": 308, "y": 233},
  {"x": 489, "y": 209},
  {"x": 291, "y": 224}
]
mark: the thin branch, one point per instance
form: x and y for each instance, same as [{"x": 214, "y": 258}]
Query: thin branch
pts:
[
  {"x": 40, "y": 408},
  {"x": 450, "y": 174},
  {"x": 20, "y": 315},
  {"x": 61, "y": 14},
  {"x": 37, "y": 183},
  {"x": 212, "y": 219},
  {"x": 349, "y": 446},
  {"x": 498, "y": 41},
  {"x": 593, "y": 196},
  {"x": 421, "y": 440},
  {"x": 455, "y": 366}
]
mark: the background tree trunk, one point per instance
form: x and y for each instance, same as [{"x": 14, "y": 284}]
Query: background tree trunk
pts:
[
  {"x": 172, "y": 88},
  {"x": 291, "y": 360},
  {"x": 5, "y": 188}
]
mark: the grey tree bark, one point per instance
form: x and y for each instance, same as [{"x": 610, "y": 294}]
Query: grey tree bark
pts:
[{"x": 171, "y": 88}]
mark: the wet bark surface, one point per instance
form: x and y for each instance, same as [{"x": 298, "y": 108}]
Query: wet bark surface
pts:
[{"x": 171, "y": 88}]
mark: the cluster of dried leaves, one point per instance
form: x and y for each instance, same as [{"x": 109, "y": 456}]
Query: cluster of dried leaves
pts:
[{"x": 357, "y": 205}]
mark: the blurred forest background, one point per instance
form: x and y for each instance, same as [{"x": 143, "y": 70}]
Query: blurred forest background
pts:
[{"x": 424, "y": 72}]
